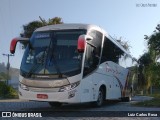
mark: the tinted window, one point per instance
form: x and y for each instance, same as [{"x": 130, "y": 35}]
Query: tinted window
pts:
[
  {"x": 111, "y": 52},
  {"x": 97, "y": 40},
  {"x": 93, "y": 51}
]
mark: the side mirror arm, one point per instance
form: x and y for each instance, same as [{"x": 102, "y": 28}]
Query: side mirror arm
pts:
[{"x": 14, "y": 41}]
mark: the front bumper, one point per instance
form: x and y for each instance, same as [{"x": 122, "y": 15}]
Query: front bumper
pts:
[{"x": 71, "y": 96}]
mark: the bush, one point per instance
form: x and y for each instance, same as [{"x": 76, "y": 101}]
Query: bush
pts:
[{"x": 7, "y": 91}]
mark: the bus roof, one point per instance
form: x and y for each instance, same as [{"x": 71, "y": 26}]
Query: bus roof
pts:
[{"x": 67, "y": 26}]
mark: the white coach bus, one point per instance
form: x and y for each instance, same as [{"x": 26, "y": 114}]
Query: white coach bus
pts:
[{"x": 73, "y": 63}]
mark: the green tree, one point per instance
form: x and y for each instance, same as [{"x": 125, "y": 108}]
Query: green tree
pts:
[
  {"x": 123, "y": 43},
  {"x": 29, "y": 28},
  {"x": 149, "y": 66},
  {"x": 148, "y": 72},
  {"x": 5, "y": 90},
  {"x": 56, "y": 20},
  {"x": 4, "y": 76},
  {"x": 154, "y": 44},
  {"x": 144, "y": 62}
]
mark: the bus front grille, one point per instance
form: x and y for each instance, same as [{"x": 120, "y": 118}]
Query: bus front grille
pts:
[{"x": 33, "y": 89}]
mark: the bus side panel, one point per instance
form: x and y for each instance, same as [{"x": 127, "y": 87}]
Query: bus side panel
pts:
[
  {"x": 115, "y": 78},
  {"x": 111, "y": 84},
  {"x": 86, "y": 89}
]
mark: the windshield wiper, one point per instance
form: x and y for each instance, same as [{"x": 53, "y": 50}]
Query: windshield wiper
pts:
[
  {"x": 52, "y": 56},
  {"x": 36, "y": 66},
  {"x": 47, "y": 55}
]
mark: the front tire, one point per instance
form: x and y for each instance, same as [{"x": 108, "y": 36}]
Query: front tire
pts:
[
  {"x": 126, "y": 99},
  {"x": 100, "y": 99},
  {"x": 55, "y": 104}
]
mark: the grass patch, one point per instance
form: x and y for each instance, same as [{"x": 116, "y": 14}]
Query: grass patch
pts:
[
  {"x": 7, "y": 91},
  {"x": 155, "y": 102}
]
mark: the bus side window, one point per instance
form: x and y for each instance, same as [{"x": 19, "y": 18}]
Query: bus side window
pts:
[
  {"x": 111, "y": 52},
  {"x": 97, "y": 40},
  {"x": 93, "y": 51}
]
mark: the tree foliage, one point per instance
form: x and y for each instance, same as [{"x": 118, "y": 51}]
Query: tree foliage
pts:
[
  {"x": 154, "y": 45},
  {"x": 7, "y": 91},
  {"x": 145, "y": 59},
  {"x": 29, "y": 28},
  {"x": 149, "y": 66},
  {"x": 4, "y": 76},
  {"x": 53, "y": 21},
  {"x": 123, "y": 43}
]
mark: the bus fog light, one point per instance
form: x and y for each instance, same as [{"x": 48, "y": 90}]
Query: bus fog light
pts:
[
  {"x": 24, "y": 87},
  {"x": 71, "y": 94},
  {"x": 69, "y": 87}
]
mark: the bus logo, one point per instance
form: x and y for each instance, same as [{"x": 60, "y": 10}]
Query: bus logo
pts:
[{"x": 6, "y": 114}]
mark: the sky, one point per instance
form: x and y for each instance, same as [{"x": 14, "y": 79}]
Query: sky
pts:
[{"x": 128, "y": 19}]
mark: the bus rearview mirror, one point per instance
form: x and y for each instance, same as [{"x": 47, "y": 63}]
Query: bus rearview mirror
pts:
[
  {"x": 82, "y": 42},
  {"x": 14, "y": 41}
]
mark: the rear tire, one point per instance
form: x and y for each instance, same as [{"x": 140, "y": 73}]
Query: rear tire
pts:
[
  {"x": 100, "y": 99},
  {"x": 55, "y": 104},
  {"x": 126, "y": 99}
]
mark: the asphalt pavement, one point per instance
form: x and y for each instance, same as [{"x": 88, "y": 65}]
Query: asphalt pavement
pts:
[{"x": 74, "y": 110}]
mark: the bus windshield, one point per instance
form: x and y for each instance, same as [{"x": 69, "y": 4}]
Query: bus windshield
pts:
[{"x": 52, "y": 53}]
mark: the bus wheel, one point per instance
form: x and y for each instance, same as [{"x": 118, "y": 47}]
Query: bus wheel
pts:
[
  {"x": 100, "y": 98},
  {"x": 126, "y": 99},
  {"x": 55, "y": 104}
]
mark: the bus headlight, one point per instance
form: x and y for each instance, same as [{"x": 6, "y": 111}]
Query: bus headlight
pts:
[
  {"x": 24, "y": 87},
  {"x": 69, "y": 87}
]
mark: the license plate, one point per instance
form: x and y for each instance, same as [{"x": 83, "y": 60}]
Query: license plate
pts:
[{"x": 42, "y": 96}]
